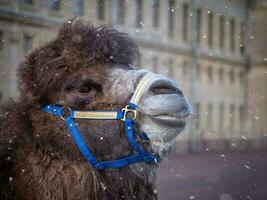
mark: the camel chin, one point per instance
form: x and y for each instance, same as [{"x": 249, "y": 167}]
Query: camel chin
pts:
[{"x": 162, "y": 130}]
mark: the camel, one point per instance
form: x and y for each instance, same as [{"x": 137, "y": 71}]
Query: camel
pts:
[{"x": 85, "y": 68}]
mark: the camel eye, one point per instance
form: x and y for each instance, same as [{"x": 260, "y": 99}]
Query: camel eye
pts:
[
  {"x": 89, "y": 87},
  {"x": 85, "y": 89}
]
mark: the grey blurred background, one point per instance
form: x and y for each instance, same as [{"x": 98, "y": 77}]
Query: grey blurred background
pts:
[{"x": 215, "y": 48}]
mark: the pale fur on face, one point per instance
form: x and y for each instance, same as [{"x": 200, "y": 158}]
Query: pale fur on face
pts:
[{"x": 161, "y": 135}]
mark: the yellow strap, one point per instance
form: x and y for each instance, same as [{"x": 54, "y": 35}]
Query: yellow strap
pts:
[
  {"x": 140, "y": 88},
  {"x": 94, "y": 115}
]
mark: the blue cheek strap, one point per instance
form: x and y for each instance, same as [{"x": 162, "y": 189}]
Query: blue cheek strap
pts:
[{"x": 139, "y": 154}]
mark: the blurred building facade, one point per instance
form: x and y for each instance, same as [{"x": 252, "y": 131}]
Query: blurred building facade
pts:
[{"x": 214, "y": 48}]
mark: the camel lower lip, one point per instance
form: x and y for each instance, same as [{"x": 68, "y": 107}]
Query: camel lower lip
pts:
[{"x": 170, "y": 120}]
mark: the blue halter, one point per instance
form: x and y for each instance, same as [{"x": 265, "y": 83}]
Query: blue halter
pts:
[{"x": 139, "y": 154}]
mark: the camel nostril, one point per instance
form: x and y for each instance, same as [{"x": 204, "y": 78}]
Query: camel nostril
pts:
[{"x": 163, "y": 87}]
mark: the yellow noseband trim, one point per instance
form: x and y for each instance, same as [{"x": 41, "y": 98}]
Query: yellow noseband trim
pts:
[
  {"x": 140, "y": 88},
  {"x": 94, "y": 115}
]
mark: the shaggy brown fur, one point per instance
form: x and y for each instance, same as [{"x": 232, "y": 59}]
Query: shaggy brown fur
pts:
[{"x": 38, "y": 159}]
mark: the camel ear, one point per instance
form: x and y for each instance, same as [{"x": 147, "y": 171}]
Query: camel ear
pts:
[{"x": 34, "y": 74}]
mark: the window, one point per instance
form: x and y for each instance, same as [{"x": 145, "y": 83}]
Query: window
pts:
[
  {"x": 78, "y": 7},
  {"x": 210, "y": 29},
  {"x": 221, "y": 73},
  {"x": 185, "y": 22},
  {"x": 209, "y": 70},
  {"x": 210, "y": 117},
  {"x": 232, "y": 35},
  {"x": 121, "y": 11},
  {"x": 139, "y": 13},
  {"x": 170, "y": 68},
  {"x": 30, "y": 2},
  {"x": 185, "y": 68},
  {"x": 197, "y": 120},
  {"x": 221, "y": 117},
  {"x": 241, "y": 77},
  {"x": 139, "y": 60},
  {"x": 155, "y": 16},
  {"x": 198, "y": 72},
  {"x": 54, "y": 4},
  {"x": 101, "y": 9},
  {"x": 1, "y": 40},
  {"x": 242, "y": 36},
  {"x": 232, "y": 112},
  {"x": 171, "y": 9},
  {"x": 231, "y": 75},
  {"x": 155, "y": 64},
  {"x": 241, "y": 116},
  {"x": 199, "y": 25},
  {"x": 27, "y": 43},
  {"x": 221, "y": 32}
]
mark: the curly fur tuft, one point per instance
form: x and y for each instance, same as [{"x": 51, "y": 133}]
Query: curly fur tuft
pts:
[
  {"x": 77, "y": 44},
  {"x": 100, "y": 44}
]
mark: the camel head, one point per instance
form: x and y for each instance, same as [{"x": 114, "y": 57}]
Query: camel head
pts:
[{"x": 89, "y": 68}]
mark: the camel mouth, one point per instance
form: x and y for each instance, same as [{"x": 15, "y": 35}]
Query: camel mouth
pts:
[{"x": 170, "y": 120}]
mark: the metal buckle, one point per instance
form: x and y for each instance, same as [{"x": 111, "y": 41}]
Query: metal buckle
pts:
[
  {"x": 65, "y": 112},
  {"x": 126, "y": 111}
]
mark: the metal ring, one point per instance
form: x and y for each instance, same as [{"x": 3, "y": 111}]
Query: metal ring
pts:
[
  {"x": 63, "y": 113},
  {"x": 127, "y": 110}
]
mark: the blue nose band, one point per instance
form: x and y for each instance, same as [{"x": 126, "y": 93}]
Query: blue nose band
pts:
[{"x": 127, "y": 114}]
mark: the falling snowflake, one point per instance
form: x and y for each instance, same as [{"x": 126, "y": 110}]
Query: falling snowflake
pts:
[
  {"x": 233, "y": 145},
  {"x": 256, "y": 117},
  {"x": 2, "y": 115},
  {"x": 246, "y": 166},
  {"x": 192, "y": 197},
  {"x": 244, "y": 137}
]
